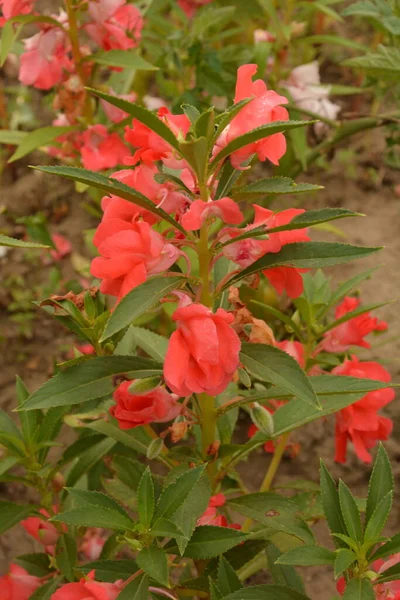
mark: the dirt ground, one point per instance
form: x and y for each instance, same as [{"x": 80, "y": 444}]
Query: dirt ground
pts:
[{"x": 24, "y": 192}]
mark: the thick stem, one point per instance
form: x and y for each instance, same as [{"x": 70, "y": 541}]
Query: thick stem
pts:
[
  {"x": 205, "y": 257},
  {"x": 208, "y": 427}
]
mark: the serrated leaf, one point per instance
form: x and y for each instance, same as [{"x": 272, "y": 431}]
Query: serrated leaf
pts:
[
  {"x": 273, "y": 186},
  {"x": 136, "y": 438},
  {"x": 88, "y": 460},
  {"x": 46, "y": 591},
  {"x": 276, "y": 366},
  {"x": 125, "y": 59},
  {"x": 192, "y": 508},
  {"x": 66, "y": 555},
  {"x": 153, "y": 344},
  {"x": 378, "y": 518},
  {"x": 352, "y": 314},
  {"x": 227, "y": 580},
  {"x": 381, "y": 482},
  {"x": 391, "y": 574},
  {"x": 342, "y": 290},
  {"x": 13, "y": 243},
  {"x": 138, "y": 589},
  {"x": 110, "y": 570},
  {"x": 154, "y": 563},
  {"x": 344, "y": 558},
  {"x": 140, "y": 300},
  {"x": 215, "y": 593},
  {"x": 37, "y": 564},
  {"x": 383, "y": 63},
  {"x": 350, "y": 512},
  {"x": 209, "y": 540},
  {"x": 359, "y": 589},
  {"x": 387, "y": 549},
  {"x": 315, "y": 217},
  {"x": 11, "y": 514},
  {"x": 145, "y": 498},
  {"x": 110, "y": 185},
  {"x": 173, "y": 496},
  {"x": 331, "y": 504},
  {"x": 89, "y": 380},
  {"x": 38, "y": 138},
  {"x": 254, "y": 136},
  {"x": 166, "y": 528},
  {"x": 282, "y": 574},
  {"x": 266, "y": 592},
  {"x": 97, "y": 516},
  {"x": 304, "y": 556}
]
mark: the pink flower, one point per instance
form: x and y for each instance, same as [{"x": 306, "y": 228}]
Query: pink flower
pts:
[
  {"x": 40, "y": 529},
  {"x": 225, "y": 209},
  {"x": 130, "y": 252},
  {"x": 264, "y": 108},
  {"x": 211, "y": 516},
  {"x": 45, "y": 57},
  {"x": 63, "y": 247},
  {"x": 18, "y": 584},
  {"x": 295, "y": 349},
  {"x": 155, "y": 406},
  {"x": 352, "y": 332},
  {"x": 360, "y": 423},
  {"x": 152, "y": 147},
  {"x": 92, "y": 543},
  {"x": 190, "y": 7},
  {"x": 14, "y": 8},
  {"x": 100, "y": 149},
  {"x": 88, "y": 589},
  {"x": 203, "y": 352},
  {"x": 115, "y": 114},
  {"x": 116, "y": 24}
]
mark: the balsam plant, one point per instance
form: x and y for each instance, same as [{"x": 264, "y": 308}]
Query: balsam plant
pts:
[{"x": 147, "y": 501}]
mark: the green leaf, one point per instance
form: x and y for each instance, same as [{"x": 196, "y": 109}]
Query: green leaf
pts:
[
  {"x": 89, "y": 380},
  {"x": 196, "y": 154},
  {"x": 145, "y": 498},
  {"x": 279, "y": 315},
  {"x": 391, "y": 574},
  {"x": 91, "y": 498},
  {"x": 143, "y": 115},
  {"x": 7, "y": 463},
  {"x": 166, "y": 528},
  {"x": 192, "y": 508},
  {"x": 387, "y": 549},
  {"x": 254, "y": 136},
  {"x": 333, "y": 39},
  {"x": 359, "y": 589},
  {"x": 344, "y": 558},
  {"x": 66, "y": 555},
  {"x": 95, "y": 516},
  {"x": 154, "y": 563},
  {"x": 343, "y": 289},
  {"x": 227, "y": 581},
  {"x": 384, "y": 63},
  {"x": 153, "y": 344},
  {"x": 378, "y": 518},
  {"x": 173, "y": 496},
  {"x": 209, "y": 540},
  {"x": 266, "y": 592},
  {"x": 13, "y": 243},
  {"x": 350, "y": 512},
  {"x": 11, "y": 514},
  {"x": 215, "y": 593},
  {"x": 10, "y": 34},
  {"x": 331, "y": 504},
  {"x": 10, "y": 435},
  {"x": 305, "y": 556},
  {"x": 305, "y": 255},
  {"x": 88, "y": 460},
  {"x": 315, "y": 217},
  {"x": 12, "y": 136},
  {"x": 111, "y": 186},
  {"x": 140, "y": 300},
  {"x": 275, "y": 366},
  {"x": 46, "y": 591},
  {"x": 138, "y": 589},
  {"x": 37, "y": 564},
  {"x": 282, "y": 574},
  {"x": 29, "y": 420},
  {"x": 126, "y": 59},
  {"x": 381, "y": 482},
  {"x": 352, "y": 314},
  {"x": 136, "y": 438},
  {"x": 273, "y": 186},
  {"x": 38, "y": 138},
  {"x": 111, "y": 570}
]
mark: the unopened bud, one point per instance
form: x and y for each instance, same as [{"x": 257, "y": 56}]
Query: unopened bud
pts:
[
  {"x": 58, "y": 482},
  {"x": 262, "y": 419},
  {"x": 244, "y": 378},
  {"x": 141, "y": 386},
  {"x": 155, "y": 448}
]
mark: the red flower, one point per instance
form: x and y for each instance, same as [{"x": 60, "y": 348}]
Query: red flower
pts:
[
  {"x": 383, "y": 591},
  {"x": 360, "y": 422},
  {"x": 352, "y": 332},
  {"x": 92, "y": 543},
  {"x": 130, "y": 252},
  {"x": 40, "y": 529},
  {"x": 115, "y": 114},
  {"x": 116, "y": 24},
  {"x": 203, "y": 352},
  {"x": 225, "y": 209},
  {"x": 18, "y": 584},
  {"x": 88, "y": 589},
  {"x": 63, "y": 247},
  {"x": 14, "y": 8},
  {"x": 264, "y": 108},
  {"x": 295, "y": 349},
  {"x": 190, "y": 7},
  {"x": 100, "y": 149},
  {"x": 155, "y": 406},
  {"x": 211, "y": 517}
]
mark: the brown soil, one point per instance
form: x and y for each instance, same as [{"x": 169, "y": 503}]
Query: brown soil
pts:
[{"x": 33, "y": 359}]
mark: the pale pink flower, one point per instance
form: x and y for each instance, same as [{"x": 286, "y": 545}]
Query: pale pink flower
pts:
[
  {"x": 92, "y": 543},
  {"x": 115, "y": 24},
  {"x": 14, "y": 8},
  {"x": 63, "y": 247}
]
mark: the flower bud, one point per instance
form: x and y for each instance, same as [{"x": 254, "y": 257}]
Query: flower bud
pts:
[
  {"x": 140, "y": 386},
  {"x": 155, "y": 448},
  {"x": 262, "y": 419},
  {"x": 178, "y": 429}
]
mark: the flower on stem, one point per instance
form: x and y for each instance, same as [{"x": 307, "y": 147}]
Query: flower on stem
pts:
[
  {"x": 203, "y": 352},
  {"x": 190, "y": 7},
  {"x": 211, "y": 516},
  {"x": 18, "y": 584},
  {"x": 15, "y": 8},
  {"x": 360, "y": 423},
  {"x": 389, "y": 590},
  {"x": 263, "y": 109},
  {"x": 101, "y": 149},
  {"x": 134, "y": 409},
  {"x": 88, "y": 589},
  {"x": 352, "y": 332},
  {"x": 115, "y": 24},
  {"x": 225, "y": 209},
  {"x": 46, "y": 56},
  {"x": 130, "y": 252},
  {"x": 42, "y": 530}
]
